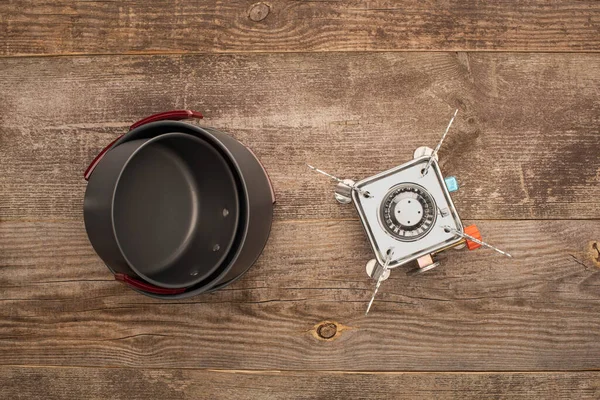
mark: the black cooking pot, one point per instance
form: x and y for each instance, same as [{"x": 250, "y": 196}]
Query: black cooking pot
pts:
[{"x": 175, "y": 210}]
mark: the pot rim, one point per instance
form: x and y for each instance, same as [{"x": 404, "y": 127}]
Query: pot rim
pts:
[
  {"x": 130, "y": 158},
  {"x": 244, "y": 216}
]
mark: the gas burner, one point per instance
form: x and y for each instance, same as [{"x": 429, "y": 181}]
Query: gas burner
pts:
[{"x": 408, "y": 212}]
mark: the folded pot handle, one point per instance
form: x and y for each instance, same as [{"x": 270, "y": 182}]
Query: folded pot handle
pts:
[
  {"x": 174, "y": 115},
  {"x": 145, "y": 287},
  {"x": 90, "y": 168}
]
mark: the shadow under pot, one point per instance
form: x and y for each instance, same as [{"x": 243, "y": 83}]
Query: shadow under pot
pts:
[{"x": 170, "y": 214}]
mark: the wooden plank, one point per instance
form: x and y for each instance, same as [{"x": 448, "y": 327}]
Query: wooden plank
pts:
[
  {"x": 143, "y": 384},
  {"x": 525, "y": 144},
  {"x": 477, "y": 312},
  {"x": 67, "y": 27}
]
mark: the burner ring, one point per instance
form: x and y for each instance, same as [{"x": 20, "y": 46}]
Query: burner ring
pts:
[{"x": 408, "y": 212}]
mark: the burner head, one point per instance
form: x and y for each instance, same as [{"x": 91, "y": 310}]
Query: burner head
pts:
[{"x": 408, "y": 212}]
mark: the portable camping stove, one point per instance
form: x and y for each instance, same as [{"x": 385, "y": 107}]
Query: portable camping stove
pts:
[{"x": 408, "y": 214}]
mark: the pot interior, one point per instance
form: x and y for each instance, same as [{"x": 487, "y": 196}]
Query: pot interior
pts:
[{"x": 176, "y": 210}]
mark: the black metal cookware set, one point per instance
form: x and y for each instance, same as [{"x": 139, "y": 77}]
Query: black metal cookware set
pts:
[{"x": 174, "y": 209}]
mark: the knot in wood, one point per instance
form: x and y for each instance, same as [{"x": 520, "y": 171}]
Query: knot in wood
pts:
[
  {"x": 327, "y": 330},
  {"x": 259, "y": 11},
  {"x": 596, "y": 253}
]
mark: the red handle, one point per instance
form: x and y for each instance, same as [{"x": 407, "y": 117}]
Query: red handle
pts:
[
  {"x": 145, "y": 287},
  {"x": 92, "y": 166},
  {"x": 174, "y": 115}
]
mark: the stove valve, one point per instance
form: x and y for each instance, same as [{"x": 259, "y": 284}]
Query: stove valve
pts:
[
  {"x": 472, "y": 230},
  {"x": 451, "y": 183}
]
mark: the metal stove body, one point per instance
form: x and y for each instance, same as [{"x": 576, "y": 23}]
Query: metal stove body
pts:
[
  {"x": 408, "y": 215},
  {"x": 407, "y": 211}
]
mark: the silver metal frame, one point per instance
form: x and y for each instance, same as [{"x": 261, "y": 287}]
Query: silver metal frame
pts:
[{"x": 369, "y": 210}]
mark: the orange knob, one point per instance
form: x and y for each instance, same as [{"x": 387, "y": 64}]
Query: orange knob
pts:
[{"x": 473, "y": 231}]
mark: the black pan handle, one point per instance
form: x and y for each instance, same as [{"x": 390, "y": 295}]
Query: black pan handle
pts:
[
  {"x": 145, "y": 287},
  {"x": 174, "y": 115}
]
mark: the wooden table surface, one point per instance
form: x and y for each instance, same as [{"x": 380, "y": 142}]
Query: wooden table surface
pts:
[{"x": 352, "y": 87}]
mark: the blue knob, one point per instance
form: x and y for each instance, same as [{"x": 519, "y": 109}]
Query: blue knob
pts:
[{"x": 451, "y": 184}]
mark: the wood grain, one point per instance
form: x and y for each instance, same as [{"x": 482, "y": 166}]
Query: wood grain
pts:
[
  {"x": 352, "y": 87},
  {"x": 479, "y": 311},
  {"x": 525, "y": 145},
  {"x": 143, "y": 384},
  {"x": 67, "y": 27}
]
